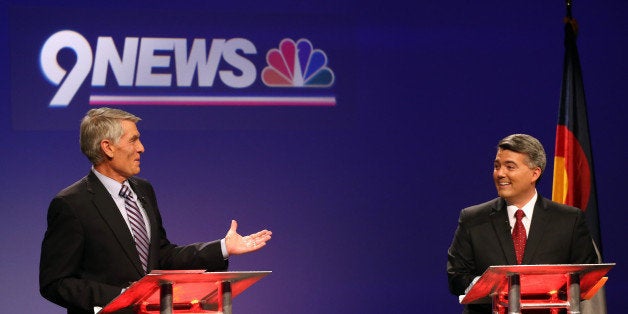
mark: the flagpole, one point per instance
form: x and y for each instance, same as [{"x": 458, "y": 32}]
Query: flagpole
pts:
[
  {"x": 569, "y": 18},
  {"x": 574, "y": 180}
]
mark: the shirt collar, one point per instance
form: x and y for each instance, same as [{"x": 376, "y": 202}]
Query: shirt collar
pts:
[
  {"x": 112, "y": 186},
  {"x": 528, "y": 208}
]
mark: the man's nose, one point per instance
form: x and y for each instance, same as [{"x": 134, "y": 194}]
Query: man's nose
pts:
[{"x": 499, "y": 172}]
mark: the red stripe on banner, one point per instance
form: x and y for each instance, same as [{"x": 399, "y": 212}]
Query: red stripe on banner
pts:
[
  {"x": 576, "y": 168},
  {"x": 325, "y": 101}
]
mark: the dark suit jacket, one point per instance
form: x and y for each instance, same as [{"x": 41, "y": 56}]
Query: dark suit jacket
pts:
[
  {"x": 88, "y": 255},
  {"x": 558, "y": 235}
]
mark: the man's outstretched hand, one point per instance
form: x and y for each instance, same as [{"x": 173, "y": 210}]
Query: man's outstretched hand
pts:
[{"x": 237, "y": 244}]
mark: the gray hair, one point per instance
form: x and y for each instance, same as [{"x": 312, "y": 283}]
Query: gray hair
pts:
[
  {"x": 98, "y": 125},
  {"x": 528, "y": 145}
]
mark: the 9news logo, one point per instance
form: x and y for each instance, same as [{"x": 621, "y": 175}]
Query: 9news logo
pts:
[{"x": 168, "y": 63}]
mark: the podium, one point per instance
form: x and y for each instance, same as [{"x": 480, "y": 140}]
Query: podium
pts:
[
  {"x": 517, "y": 287},
  {"x": 184, "y": 291}
]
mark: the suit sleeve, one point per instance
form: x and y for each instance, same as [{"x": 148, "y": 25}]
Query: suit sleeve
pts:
[
  {"x": 202, "y": 255},
  {"x": 460, "y": 260},
  {"x": 60, "y": 263},
  {"x": 583, "y": 251}
]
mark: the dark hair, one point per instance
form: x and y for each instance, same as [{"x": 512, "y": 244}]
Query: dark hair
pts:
[{"x": 526, "y": 144}]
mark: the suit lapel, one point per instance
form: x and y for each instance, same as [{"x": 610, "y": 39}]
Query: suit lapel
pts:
[
  {"x": 499, "y": 219},
  {"x": 111, "y": 215},
  {"x": 541, "y": 220}
]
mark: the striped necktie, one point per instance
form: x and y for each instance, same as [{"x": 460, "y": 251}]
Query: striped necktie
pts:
[{"x": 138, "y": 228}]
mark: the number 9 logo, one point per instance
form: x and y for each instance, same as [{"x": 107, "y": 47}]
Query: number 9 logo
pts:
[{"x": 56, "y": 74}]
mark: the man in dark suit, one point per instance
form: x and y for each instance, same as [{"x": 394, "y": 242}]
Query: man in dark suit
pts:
[
  {"x": 556, "y": 233},
  {"x": 92, "y": 249}
]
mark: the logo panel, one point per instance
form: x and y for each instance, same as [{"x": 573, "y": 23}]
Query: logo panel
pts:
[{"x": 154, "y": 67}]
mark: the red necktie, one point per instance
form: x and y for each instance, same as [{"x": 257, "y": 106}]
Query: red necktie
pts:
[{"x": 519, "y": 235}]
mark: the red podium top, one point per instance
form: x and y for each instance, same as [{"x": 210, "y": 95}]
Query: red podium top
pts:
[
  {"x": 189, "y": 288},
  {"x": 535, "y": 280}
]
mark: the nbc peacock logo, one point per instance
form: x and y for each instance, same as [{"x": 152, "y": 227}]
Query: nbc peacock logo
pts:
[{"x": 297, "y": 65}]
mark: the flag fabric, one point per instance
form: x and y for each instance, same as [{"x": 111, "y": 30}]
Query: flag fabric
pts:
[{"x": 574, "y": 180}]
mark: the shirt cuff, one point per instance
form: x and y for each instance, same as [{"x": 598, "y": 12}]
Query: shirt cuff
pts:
[{"x": 223, "y": 247}]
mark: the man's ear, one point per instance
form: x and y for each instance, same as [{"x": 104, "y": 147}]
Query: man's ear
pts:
[
  {"x": 536, "y": 173},
  {"x": 107, "y": 147}
]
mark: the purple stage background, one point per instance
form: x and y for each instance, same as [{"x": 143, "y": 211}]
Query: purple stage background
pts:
[{"x": 362, "y": 197}]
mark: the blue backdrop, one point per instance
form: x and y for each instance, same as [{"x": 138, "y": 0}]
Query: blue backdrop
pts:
[{"x": 362, "y": 197}]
